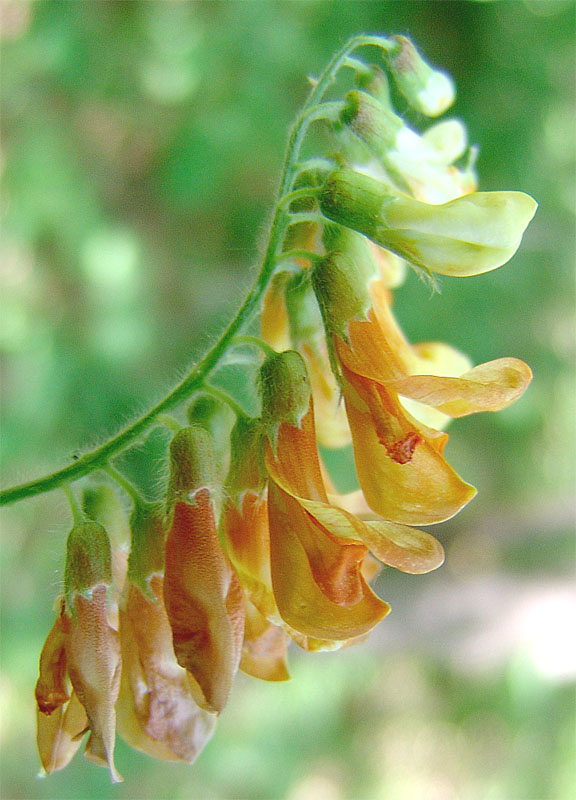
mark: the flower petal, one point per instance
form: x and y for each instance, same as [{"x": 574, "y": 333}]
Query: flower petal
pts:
[
  {"x": 52, "y": 689},
  {"x": 197, "y": 585},
  {"x": 59, "y": 735},
  {"x": 488, "y": 387},
  {"x": 264, "y": 649},
  {"x": 400, "y": 466},
  {"x": 93, "y": 653},
  {"x": 301, "y": 602},
  {"x": 156, "y": 710},
  {"x": 405, "y": 548}
]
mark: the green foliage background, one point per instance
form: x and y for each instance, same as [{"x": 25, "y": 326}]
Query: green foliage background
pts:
[{"x": 142, "y": 145}]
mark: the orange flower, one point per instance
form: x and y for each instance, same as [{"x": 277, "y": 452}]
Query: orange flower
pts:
[
  {"x": 317, "y": 550},
  {"x": 202, "y": 593},
  {"x": 399, "y": 458}
]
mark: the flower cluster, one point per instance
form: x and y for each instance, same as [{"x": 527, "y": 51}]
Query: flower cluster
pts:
[{"x": 253, "y": 547}]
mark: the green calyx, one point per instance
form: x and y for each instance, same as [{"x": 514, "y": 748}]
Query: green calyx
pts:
[
  {"x": 247, "y": 469},
  {"x": 354, "y": 200},
  {"x": 192, "y": 463},
  {"x": 303, "y": 312},
  {"x": 148, "y": 529},
  {"x": 285, "y": 388},
  {"x": 102, "y": 504},
  {"x": 88, "y": 559},
  {"x": 342, "y": 292},
  {"x": 377, "y": 126}
]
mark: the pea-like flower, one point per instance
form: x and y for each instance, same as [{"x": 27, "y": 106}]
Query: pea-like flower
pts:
[
  {"x": 399, "y": 458},
  {"x": 466, "y": 236}
]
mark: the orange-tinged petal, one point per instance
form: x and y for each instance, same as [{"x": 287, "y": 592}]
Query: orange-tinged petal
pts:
[
  {"x": 405, "y": 548},
  {"x": 264, "y": 648},
  {"x": 301, "y": 602},
  {"x": 295, "y": 458},
  {"x": 52, "y": 686},
  {"x": 203, "y": 602},
  {"x": 246, "y": 532},
  {"x": 400, "y": 468},
  {"x": 156, "y": 710},
  {"x": 93, "y": 653},
  {"x": 487, "y": 387},
  {"x": 59, "y": 735}
]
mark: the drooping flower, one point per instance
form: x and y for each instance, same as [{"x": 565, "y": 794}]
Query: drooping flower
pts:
[
  {"x": 399, "y": 458},
  {"x": 316, "y": 549},
  {"x": 202, "y": 593},
  {"x": 156, "y": 710},
  {"x": 82, "y": 649}
]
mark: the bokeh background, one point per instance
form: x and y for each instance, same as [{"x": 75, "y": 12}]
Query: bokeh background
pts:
[{"x": 142, "y": 146}]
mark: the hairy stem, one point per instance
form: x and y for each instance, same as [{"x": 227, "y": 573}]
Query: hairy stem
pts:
[{"x": 98, "y": 458}]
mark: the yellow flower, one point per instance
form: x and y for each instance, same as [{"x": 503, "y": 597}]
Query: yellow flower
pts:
[{"x": 399, "y": 458}]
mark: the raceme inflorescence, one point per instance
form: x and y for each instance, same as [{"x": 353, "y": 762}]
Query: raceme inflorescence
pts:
[{"x": 252, "y": 546}]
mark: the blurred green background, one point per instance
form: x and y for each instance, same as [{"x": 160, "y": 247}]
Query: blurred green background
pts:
[{"x": 142, "y": 144}]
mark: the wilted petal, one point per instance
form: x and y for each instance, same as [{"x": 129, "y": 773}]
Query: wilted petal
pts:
[
  {"x": 52, "y": 686},
  {"x": 156, "y": 711},
  {"x": 264, "y": 648},
  {"x": 203, "y": 602},
  {"x": 59, "y": 735},
  {"x": 400, "y": 465},
  {"x": 488, "y": 387},
  {"x": 93, "y": 653}
]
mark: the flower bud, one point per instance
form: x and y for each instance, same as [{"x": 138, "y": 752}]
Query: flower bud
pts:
[
  {"x": 427, "y": 90},
  {"x": 88, "y": 559},
  {"x": 375, "y": 82},
  {"x": 466, "y": 236},
  {"x": 246, "y": 461},
  {"x": 218, "y": 419}
]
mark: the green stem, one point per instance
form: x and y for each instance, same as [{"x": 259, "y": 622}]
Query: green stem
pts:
[
  {"x": 98, "y": 458},
  {"x": 77, "y": 513}
]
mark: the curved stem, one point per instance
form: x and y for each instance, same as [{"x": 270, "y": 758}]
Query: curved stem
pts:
[{"x": 99, "y": 457}]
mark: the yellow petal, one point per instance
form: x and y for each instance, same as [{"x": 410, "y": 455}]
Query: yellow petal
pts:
[
  {"x": 301, "y": 602},
  {"x": 59, "y": 735},
  {"x": 203, "y": 602},
  {"x": 51, "y": 689},
  {"x": 487, "y": 387},
  {"x": 400, "y": 467},
  {"x": 405, "y": 548}
]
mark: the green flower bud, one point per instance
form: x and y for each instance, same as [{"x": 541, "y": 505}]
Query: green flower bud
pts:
[
  {"x": 192, "y": 463},
  {"x": 466, "y": 236},
  {"x": 88, "y": 560},
  {"x": 427, "y": 90},
  {"x": 285, "y": 388},
  {"x": 303, "y": 312},
  {"x": 375, "y": 82}
]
